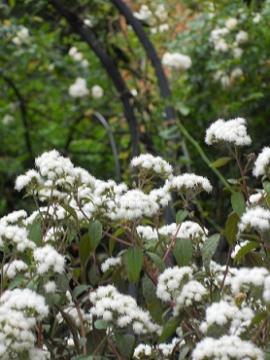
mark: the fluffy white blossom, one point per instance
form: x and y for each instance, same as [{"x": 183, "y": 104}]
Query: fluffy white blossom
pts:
[
  {"x": 16, "y": 235},
  {"x": 134, "y": 204},
  {"x": 22, "y": 36},
  {"x": 8, "y": 119},
  {"x": 241, "y": 37},
  {"x": 76, "y": 55},
  {"x": 231, "y": 23},
  {"x": 47, "y": 258},
  {"x": 111, "y": 262},
  {"x": 121, "y": 310},
  {"x": 232, "y": 131},
  {"x": 20, "y": 309},
  {"x": 161, "y": 196},
  {"x": 152, "y": 164},
  {"x": 161, "y": 12},
  {"x": 171, "y": 280},
  {"x": 142, "y": 351},
  {"x": 177, "y": 61},
  {"x": 147, "y": 232},
  {"x": 79, "y": 88},
  {"x": 245, "y": 277},
  {"x": 261, "y": 166},
  {"x": 237, "y": 52},
  {"x": 226, "y": 347},
  {"x": 50, "y": 287},
  {"x": 192, "y": 292},
  {"x": 228, "y": 316},
  {"x": 97, "y": 92},
  {"x": 144, "y": 13},
  {"x": 187, "y": 182},
  {"x": 30, "y": 177},
  {"x": 14, "y": 267},
  {"x": 257, "y": 218}
]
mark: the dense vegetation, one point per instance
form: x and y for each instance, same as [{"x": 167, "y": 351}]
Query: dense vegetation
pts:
[{"x": 158, "y": 263}]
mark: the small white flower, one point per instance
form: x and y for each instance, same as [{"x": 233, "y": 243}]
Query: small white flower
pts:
[
  {"x": 79, "y": 88},
  {"x": 177, "y": 61},
  {"x": 231, "y": 23},
  {"x": 241, "y": 37},
  {"x": 97, "y": 92}
]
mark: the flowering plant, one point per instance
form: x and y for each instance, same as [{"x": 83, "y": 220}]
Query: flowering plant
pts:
[{"x": 96, "y": 270}]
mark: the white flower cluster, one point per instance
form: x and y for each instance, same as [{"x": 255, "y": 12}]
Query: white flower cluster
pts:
[
  {"x": 76, "y": 55},
  {"x": 223, "y": 41},
  {"x": 188, "y": 230},
  {"x": 79, "y": 88},
  {"x": 111, "y": 262},
  {"x": 261, "y": 166},
  {"x": 48, "y": 259},
  {"x": 121, "y": 310},
  {"x": 14, "y": 267},
  {"x": 226, "y": 347},
  {"x": 244, "y": 278},
  {"x": 57, "y": 178},
  {"x": 15, "y": 235},
  {"x": 136, "y": 204},
  {"x": 186, "y": 182},
  {"x": 160, "y": 351},
  {"x": 171, "y": 282},
  {"x": 231, "y": 131},
  {"x": 228, "y": 316},
  {"x": 192, "y": 292},
  {"x": 176, "y": 61},
  {"x": 156, "y": 18},
  {"x": 257, "y": 218},
  {"x": 19, "y": 312},
  {"x": 152, "y": 164},
  {"x": 22, "y": 36}
]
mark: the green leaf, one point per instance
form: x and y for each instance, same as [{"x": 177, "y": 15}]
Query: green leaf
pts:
[
  {"x": 153, "y": 304},
  {"x": 209, "y": 248},
  {"x": 156, "y": 260},
  {"x": 221, "y": 162},
  {"x": 133, "y": 259},
  {"x": 84, "y": 248},
  {"x": 238, "y": 203},
  {"x": 246, "y": 249},
  {"x": 95, "y": 234},
  {"x": 181, "y": 216},
  {"x": 266, "y": 186},
  {"x": 35, "y": 232},
  {"x": 80, "y": 289},
  {"x": 169, "y": 329},
  {"x": 183, "y": 251},
  {"x": 125, "y": 344},
  {"x": 231, "y": 228},
  {"x": 101, "y": 324}
]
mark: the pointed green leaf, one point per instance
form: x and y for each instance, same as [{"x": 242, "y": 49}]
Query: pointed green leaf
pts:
[
  {"x": 181, "y": 216},
  {"x": 209, "y": 249},
  {"x": 238, "y": 203},
  {"x": 231, "y": 228},
  {"x": 169, "y": 328},
  {"x": 156, "y": 260},
  {"x": 183, "y": 251},
  {"x": 95, "y": 234},
  {"x": 125, "y": 344},
  {"x": 133, "y": 259},
  {"x": 221, "y": 162}
]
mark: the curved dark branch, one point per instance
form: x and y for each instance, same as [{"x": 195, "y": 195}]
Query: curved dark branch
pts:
[
  {"x": 24, "y": 116},
  {"x": 150, "y": 51},
  {"x": 89, "y": 37}
]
